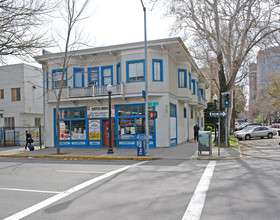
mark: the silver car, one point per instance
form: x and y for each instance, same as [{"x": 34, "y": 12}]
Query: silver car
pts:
[{"x": 254, "y": 132}]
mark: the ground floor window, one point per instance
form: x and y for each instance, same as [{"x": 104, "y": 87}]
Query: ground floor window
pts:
[{"x": 131, "y": 125}]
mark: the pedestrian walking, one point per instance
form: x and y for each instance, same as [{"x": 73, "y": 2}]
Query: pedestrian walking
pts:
[
  {"x": 195, "y": 130},
  {"x": 28, "y": 138}
]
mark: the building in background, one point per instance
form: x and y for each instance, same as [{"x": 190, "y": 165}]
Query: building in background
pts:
[
  {"x": 176, "y": 90},
  {"x": 21, "y": 103},
  {"x": 260, "y": 77},
  {"x": 21, "y": 96}
]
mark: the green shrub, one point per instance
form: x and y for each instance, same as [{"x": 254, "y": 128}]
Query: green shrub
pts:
[{"x": 209, "y": 128}]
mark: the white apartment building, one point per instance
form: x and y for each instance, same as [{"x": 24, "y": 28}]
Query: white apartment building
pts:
[
  {"x": 176, "y": 90},
  {"x": 21, "y": 96}
]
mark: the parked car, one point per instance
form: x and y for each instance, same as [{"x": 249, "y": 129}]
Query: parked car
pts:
[
  {"x": 254, "y": 132},
  {"x": 244, "y": 125}
]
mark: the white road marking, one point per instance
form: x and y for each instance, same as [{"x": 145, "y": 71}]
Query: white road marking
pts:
[
  {"x": 77, "y": 171},
  {"x": 68, "y": 192},
  {"x": 196, "y": 204},
  {"x": 30, "y": 190}
]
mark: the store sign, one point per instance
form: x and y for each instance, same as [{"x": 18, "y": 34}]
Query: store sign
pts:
[
  {"x": 127, "y": 112},
  {"x": 100, "y": 112}
]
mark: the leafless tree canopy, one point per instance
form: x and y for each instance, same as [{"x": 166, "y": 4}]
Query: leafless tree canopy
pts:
[
  {"x": 230, "y": 27},
  {"x": 20, "y": 23}
]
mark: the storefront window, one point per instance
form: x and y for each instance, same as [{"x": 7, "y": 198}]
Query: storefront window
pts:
[
  {"x": 121, "y": 111},
  {"x": 134, "y": 110},
  {"x": 64, "y": 130},
  {"x": 78, "y": 130},
  {"x": 127, "y": 128},
  {"x": 141, "y": 128}
]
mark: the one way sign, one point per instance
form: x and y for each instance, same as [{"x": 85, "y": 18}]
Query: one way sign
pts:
[{"x": 218, "y": 114}]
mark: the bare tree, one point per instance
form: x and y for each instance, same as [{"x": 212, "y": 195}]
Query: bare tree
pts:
[
  {"x": 74, "y": 12},
  {"x": 20, "y": 23},
  {"x": 226, "y": 30}
]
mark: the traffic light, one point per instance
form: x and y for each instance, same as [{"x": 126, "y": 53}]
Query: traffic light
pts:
[
  {"x": 226, "y": 99},
  {"x": 153, "y": 114}
]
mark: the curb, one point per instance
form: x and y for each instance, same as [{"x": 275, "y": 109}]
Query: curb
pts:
[{"x": 81, "y": 157}]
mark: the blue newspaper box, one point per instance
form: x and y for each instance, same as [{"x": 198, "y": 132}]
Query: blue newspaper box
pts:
[
  {"x": 204, "y": 142},
  {"x": 141, "y": 148}
]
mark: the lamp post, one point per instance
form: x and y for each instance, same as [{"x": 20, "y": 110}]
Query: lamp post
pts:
[
  {"x": 146, "y": 84},
  {"x": 110, "y": 149},
  {"x": 215, "y": 104}
]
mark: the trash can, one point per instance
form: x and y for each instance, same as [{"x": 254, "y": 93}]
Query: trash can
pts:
[
  {"x": 204, "y": 142},
  {"x": 141, "y": 148}
]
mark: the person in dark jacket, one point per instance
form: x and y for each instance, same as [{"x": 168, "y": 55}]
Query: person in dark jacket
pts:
[
  {"x": 195, "y": 130},
  {"x": 28, "y": 138}
]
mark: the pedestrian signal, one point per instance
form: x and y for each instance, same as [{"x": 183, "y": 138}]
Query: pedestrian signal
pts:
[{"x": 153, "y": 114}]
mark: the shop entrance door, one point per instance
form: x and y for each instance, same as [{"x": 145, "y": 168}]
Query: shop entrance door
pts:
[{"x": 105, "y": 132}]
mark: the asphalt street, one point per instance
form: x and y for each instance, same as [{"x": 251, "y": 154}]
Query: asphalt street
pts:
[{"x": 246, "y": 188}]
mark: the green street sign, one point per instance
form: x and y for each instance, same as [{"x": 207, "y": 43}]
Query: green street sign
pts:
[{"x": 153, "y": 104}]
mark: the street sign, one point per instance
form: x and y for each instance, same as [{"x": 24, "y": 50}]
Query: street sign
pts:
[
  {"x": 153, "y": 104},
  {"x": 218, "y": 114}
]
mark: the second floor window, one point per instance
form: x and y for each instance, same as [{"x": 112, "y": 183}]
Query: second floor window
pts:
[
  {"x": 57, "y": 78},
  {"x": 15, "y": 94},
  {"x": 93, "y": 76},
  {"x": 119, "y": 74},
  {"x": 182, "y": 78},
  {"x": 78, "y": 77},
  {"x": 1, "y": 93},
  {"x": 135, "y": 71},
  {"x": 106, "y": 72},
  {"x": 157, "y": 70}
]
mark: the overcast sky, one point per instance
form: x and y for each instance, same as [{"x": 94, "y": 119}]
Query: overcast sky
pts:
[
  {"x": 113, "y": 22},
  {"x": 122, "y": 21}
]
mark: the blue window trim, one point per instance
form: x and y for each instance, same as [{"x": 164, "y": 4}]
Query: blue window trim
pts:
[
  {"x": 59, "y": 70},
  {"x": 71, "y": 119},
  {"x": 194, "y": 89},
  {"x": 127, "y": 70},
  {"x": 93, "y": 68},
  {"x": 161, "y": 70},
  {"x": 185, "y": 112},
  {"x": 191, "y": 113},
  {"x": 119, "y": 73},
  {"x": 185, "y": 77},
  {"x": 197, "y": 91},
  {"x": 134, "y": 117},
  {"x": 190, "y": 80},
  {"x": 75, "y": 69},
  {"x": 102, "y": 71}
]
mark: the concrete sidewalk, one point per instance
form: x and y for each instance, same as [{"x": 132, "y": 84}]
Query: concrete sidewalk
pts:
[{"x": 183, "y": 151}]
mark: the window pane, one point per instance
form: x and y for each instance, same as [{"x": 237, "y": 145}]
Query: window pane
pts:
[
  {"x": 93, "y": 75},
  {"x": 141, "y": 110},
  {"x": 127, "y": 129},
  {"x": 64, "y": 130},
  {"x": 157, "y": 71},
  {"x": 135, "y": 110},
  {"x": 136, "y": 71},
  {"x": 82, "y": 113},
  {"x": 121, "y": 111},
  {"x": 78, "y": 79},
  {"x": 107, "y": 80},
  {"x": 78, "y": 130},
  {"x": 107, "y": 72}
]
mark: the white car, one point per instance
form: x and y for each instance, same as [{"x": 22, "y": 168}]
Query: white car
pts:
[{"x": 254, "y": 132}]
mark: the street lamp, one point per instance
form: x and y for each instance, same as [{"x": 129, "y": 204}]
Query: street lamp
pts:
[
  {"x": 215, "y": 104},
  {"x": 110, "y": 149},
  {"x": 146, "y": 83}
]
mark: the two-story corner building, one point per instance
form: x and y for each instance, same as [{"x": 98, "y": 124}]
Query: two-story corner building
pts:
[
  {"x": 176, "y": 90},
  {"x": 21, "y": 96}
]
